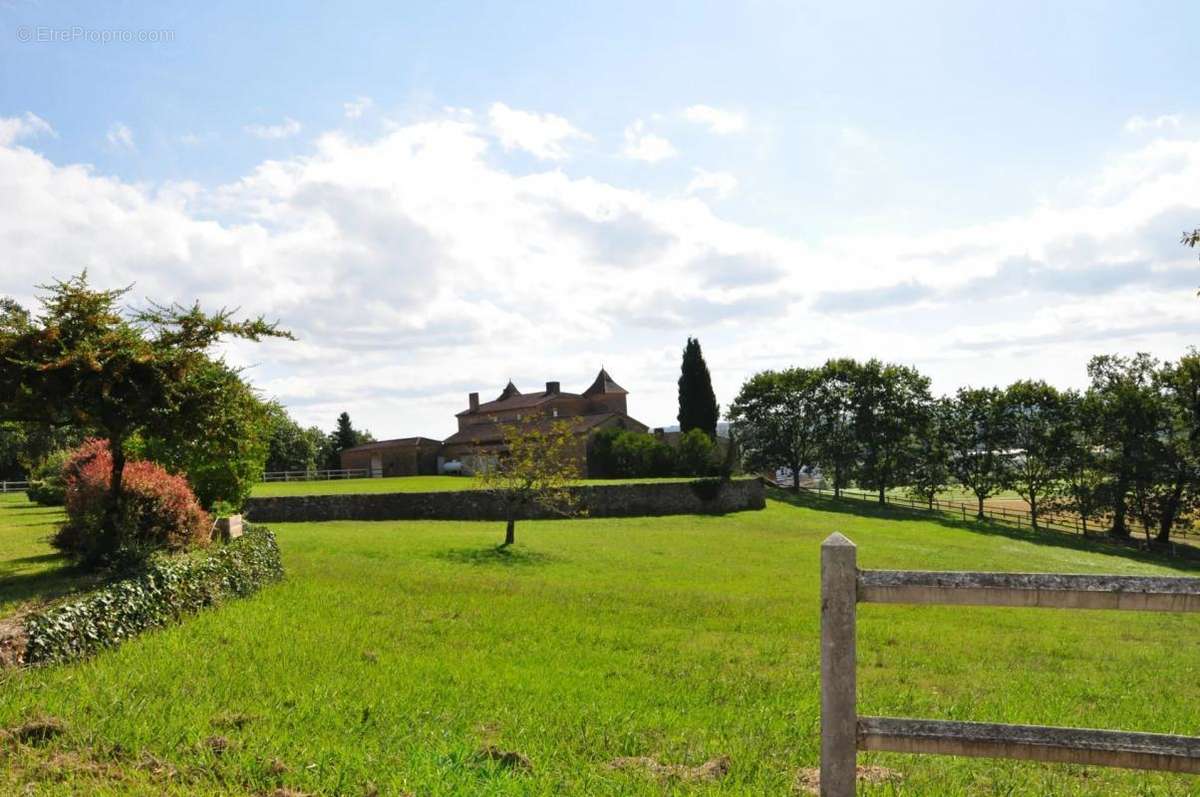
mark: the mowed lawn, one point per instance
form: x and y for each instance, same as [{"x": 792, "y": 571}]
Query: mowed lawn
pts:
[
  {"x": 396, "y": 650},
  {"x": 403, "y": 484}
]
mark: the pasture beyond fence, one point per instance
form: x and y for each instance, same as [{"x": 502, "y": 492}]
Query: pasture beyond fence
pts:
[{"x": 843, "y": 732}]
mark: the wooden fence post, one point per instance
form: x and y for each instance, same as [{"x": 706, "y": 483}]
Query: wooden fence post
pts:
[{"x": 839, "y": 712}]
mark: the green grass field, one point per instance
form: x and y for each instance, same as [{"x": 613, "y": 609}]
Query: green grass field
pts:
[
  {"x": 395, "y": 650},
  {"x": 402, "y": 484}
]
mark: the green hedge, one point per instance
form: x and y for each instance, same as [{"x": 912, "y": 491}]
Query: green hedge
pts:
[{"x": 167, "y": 589}]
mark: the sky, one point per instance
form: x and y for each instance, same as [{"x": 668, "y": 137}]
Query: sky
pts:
[{"x": 439, "y": 197}]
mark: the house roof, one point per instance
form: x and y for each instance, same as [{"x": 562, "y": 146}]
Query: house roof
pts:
[
  {"x": 513, "y": 399},
  {"x": 491, "y": 432},
  {"x": 604, "y": 384},
  {"x": 398, "y": 442}
]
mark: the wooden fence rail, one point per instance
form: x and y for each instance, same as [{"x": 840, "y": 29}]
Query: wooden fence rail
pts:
[
  {"x": 1048, "y": 520},
  {"x": 844, "y": 732}
]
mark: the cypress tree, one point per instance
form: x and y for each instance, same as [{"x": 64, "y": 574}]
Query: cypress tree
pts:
[
  {"x": 697, "y": 402},
  {"x": 343, "y": 437}
]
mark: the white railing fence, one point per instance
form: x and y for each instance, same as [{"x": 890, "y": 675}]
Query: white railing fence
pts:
[
  {"x": 315, "y": 475},
  {"x": 13, "y": 487}
]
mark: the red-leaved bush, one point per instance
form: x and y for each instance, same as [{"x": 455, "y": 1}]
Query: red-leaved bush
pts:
[{"x": 158, "y": 509}]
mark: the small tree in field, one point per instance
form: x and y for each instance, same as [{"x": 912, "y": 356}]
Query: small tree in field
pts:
[
  {"x": 86, "y": 363},
  {"x": 537, "y": 470}
]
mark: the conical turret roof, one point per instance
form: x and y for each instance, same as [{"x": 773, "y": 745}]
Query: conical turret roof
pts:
[
  {"x": 604, "y": 384},
  {"x": 509, "y": 391}
]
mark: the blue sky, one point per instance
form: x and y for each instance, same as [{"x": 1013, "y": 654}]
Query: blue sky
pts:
[{"x": 927, "y": 182}]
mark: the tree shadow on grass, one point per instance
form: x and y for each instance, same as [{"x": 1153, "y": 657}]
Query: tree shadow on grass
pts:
[
  {"x": 45, "y": 585},
  {"x": 501, "y": 555},
  {"x": 1185, "y": 559}
]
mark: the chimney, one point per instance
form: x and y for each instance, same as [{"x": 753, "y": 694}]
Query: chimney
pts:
[
  {"x": 551, "y": 388},
  {"x": 474, "y": 401}
]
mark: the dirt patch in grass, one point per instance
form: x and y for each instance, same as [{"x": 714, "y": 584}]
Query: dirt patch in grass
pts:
[
  {"x": 808, "y": 781},
  {"x": 509, "y": 759},
  {"x": 37, "y": 730},
  {"x": 235, "y": 720},
  {"x": 713, "y": 769},
  {"x": 13, "y": 641}
]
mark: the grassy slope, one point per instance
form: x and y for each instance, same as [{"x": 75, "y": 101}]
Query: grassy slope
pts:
[
  {"x": 396, "y": 649},
  {"x": 400, "y": 484}
]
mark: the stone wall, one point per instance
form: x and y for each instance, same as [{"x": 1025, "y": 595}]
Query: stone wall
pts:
[{"x": 703, "y": 496}]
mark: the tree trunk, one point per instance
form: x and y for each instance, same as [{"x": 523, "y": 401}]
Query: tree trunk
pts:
[
  {"x": 979, "y": 514},
  {"x": 795, "y": 477},
  {"x": 1033, "y": 510},
  {"x": 110, "y": 530},
  {"x": 1167, "y": 519},
  {"x": 882, "y": 495},
  {"x": 1119, "y": 529},
  {"x": 510, "y": 531}
]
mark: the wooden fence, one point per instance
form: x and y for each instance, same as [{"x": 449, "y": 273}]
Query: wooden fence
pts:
[
  {"x": 1047, "y": 520},
  {"x": 843, "y": 732}
]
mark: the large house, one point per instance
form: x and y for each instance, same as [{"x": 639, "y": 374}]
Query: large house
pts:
[{"x": 480, "y": 433}]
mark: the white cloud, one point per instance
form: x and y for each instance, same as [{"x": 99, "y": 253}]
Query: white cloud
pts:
[
  {"x": 119, "y": 136},
  {"x": 717, "y": 121},
  {"x": 414, "y": 242},
  {"x": 543, "y": 135},
  {"x": 285, "y": 129},
  {"x": 720, "y": 184},
  {"x": 643, "y": 146},
  {"x": 28, "y": 125},
  {"x": 1140, "y": 124},
  {"x": 355, "y": 108},
  {"x": 196, "y": 139}
]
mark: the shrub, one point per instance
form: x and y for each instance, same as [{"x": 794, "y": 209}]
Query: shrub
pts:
[
  {"x": 164, "y": 591},
  {"x": 157, "y": 510},
  {"x": 697, "y": 454},
  {"x": 638, "y": 454},
  {"x": 46, "y": 484}
]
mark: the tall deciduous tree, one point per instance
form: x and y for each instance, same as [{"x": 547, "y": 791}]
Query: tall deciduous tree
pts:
[
  {"x": 1038, "y": 426},
  {"x": 1081, "y": 491},
  {"x": 84, "y": 362},
  {"x": 890, "y": 402},
  {"x": 778, "y": 419},
  {"x": 290, "y": 447},
  {"x": 536, "y": 470},
  {"x": 931, "y": 453},
  {"x": 697, "y": 403},
  {"x": 837, "y": 449},
  {"x": 979, "y": 437},
  {"x": 1171, "y": 494},
  {"x": 1128, "y": 415},
  {"x": 219, "y": 439}
]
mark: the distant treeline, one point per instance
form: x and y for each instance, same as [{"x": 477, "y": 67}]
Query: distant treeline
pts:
[{"x": 1123, "y": 453}]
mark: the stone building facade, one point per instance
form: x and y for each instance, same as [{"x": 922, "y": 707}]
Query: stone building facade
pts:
[{"x": 603, "y": 405}]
